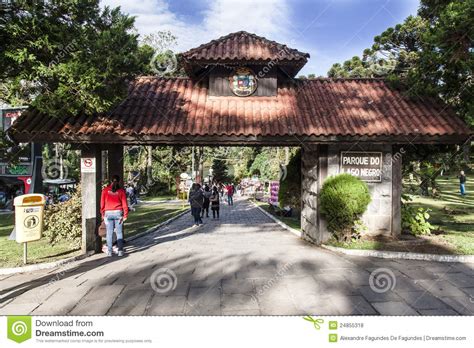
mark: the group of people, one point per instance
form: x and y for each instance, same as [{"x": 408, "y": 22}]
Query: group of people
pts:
[{"x": 203, "y": 198}]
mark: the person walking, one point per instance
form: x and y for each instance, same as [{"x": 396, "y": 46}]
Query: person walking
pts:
[
  {"x": 230, "y": 194},
  {"x": 114, "y": 211},
  {"x": 215, "y": 203},
  {"x": 462, "y": 183},
  {"x": 207, "y": 195},
  {"x": 196, "y": 200}
]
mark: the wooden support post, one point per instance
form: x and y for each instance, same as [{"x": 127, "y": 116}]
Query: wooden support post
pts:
[
  {"x": 91, "y": 190},
  {"x": 115, "y": 161},
  {"x": 309, "y": 193}
]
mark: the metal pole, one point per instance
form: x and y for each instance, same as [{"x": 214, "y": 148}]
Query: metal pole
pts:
[{"x": 25, "y": 252}]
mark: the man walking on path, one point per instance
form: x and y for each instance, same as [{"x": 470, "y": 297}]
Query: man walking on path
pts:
[
  {"x": 230, "y": 194},
  {"x": 462, "y": 183}
]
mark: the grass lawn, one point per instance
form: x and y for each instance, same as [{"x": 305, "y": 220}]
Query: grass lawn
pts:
[
  {"x": 293, "y": 222},
  {"x": 157, "y": 198},
  {"x": 451, "y": 214},
  {"x": 11, "y": 253},
  {"x": 147, "y": 216}
]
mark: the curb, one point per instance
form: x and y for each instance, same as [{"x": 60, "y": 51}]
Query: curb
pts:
[
  {"x": 49, "y": 265},
  {"x": 378, "y": 253},
  {"x": 282, "y": 224},
  {"x": 401, "y": 255},
  {"x": 154, "y": 228},
  {"x": 42, "y": 266}
]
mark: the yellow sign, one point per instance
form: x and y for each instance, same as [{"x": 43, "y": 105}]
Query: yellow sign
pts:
[{"x": 29, "y": 212}]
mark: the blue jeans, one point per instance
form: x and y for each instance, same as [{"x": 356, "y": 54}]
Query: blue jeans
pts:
[
  {"x": 230, "y": 200},
  {"x": 114, "y": 220},
  {"x": 196, "y": 213},
  {"x": 462, "y": 188}
]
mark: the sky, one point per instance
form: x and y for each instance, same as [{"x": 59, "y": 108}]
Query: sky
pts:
[{"x": 330, "y": 31}]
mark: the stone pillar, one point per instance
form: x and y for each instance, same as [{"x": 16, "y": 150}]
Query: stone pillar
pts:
[
  {"x": 91, "y": 190},
  {"x": 397, "y": 191},
  {"x": 115, "y": 161},
  {"x": 309, "y": 192}
]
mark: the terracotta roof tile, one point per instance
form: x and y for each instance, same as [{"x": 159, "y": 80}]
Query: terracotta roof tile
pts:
[
  {"x": 313, "y": 107},
  {"x": 243, "y": 46}
]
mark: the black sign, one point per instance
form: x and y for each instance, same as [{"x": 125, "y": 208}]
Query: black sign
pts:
[{"x": 367, "y": 166}]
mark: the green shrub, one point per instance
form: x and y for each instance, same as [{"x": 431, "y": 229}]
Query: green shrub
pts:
[
  {"x": 415, "y": 220},
  {"x": 343, "y": 198},
  {"x": 63, "y": 221}
]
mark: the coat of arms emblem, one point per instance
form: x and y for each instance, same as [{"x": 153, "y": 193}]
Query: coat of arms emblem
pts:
[{"x": 243, "y": 82}]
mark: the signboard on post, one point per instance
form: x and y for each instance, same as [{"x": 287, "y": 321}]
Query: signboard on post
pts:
[
  {"x": 87, "y": 165},
  {"x": 367, "y": 166}
]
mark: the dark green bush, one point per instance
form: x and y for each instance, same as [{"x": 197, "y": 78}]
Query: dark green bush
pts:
[{"x": 343, "y": 198}]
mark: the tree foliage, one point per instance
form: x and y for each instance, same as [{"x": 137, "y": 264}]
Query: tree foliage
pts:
[
  {"x": 428, "y": 54},
  {"x": 67, "y": 57}
]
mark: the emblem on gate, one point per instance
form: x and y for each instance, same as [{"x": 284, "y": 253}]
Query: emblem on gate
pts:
[{"x": 243, "y": 82}]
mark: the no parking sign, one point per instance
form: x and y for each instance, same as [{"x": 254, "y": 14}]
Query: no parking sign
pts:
[{"x": 88, "y": 165}]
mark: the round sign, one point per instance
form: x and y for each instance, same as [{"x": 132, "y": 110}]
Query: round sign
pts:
[
  {"x": 31, "y": 221},
  {"x": 243, "y": 82}
]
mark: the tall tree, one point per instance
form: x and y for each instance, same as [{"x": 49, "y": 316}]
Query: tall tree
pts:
[
  {"x": 430, "y": 54},
  {"x": 67, "y": 57}
]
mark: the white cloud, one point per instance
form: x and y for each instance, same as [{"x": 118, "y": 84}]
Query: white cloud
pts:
[{"x": 269, "y": 18}]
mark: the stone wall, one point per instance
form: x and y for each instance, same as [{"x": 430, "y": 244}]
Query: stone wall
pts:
[
  {"x": 309, "y": 192},
  {"x": 378, "y": 217},
  {"x": 318, "y": 162}
]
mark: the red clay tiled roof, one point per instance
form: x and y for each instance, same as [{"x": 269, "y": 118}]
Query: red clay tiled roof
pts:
[
  {"x": 171, "y": 107},
  {"x": 243, "y": 46}
]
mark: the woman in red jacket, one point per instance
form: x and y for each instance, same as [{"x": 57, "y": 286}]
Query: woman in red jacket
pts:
[{"x": 114, "y": 210}]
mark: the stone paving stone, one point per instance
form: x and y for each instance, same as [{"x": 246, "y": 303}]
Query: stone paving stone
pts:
[
  {"x": 169, "y": 305},
  {"x": 461, "y": 304},
  {"x": 93, "y": 307},
  {"x": 440, "y": 311},
  {"x": 441, "y": 288},
  {"x": 131, "y": 302},
  {"x": 18, "y": 309},
  {"x": 374, "y": 296},
  {"x": 62, "y": 301},
  {"x": 461, "y": 280},
  {"x": 104, "y": 292},
  {"x": 394, "y": 308},
  {"x": 239, "y": 302},
  {"x": 419, "y": 274},
  {"x": 351, "y": 305},
  {"x": 243, "y": 312},
  {"x": 238, "y": 286},
  {"x": 422, "y": 300},
  {"x": 223, "y": 262}
]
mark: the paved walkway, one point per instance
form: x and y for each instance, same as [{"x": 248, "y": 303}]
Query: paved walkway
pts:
[{"x": 242, "y": 264}]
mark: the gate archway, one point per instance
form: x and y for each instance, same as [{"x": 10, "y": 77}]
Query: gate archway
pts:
[{"x": 241, "y": 90}]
